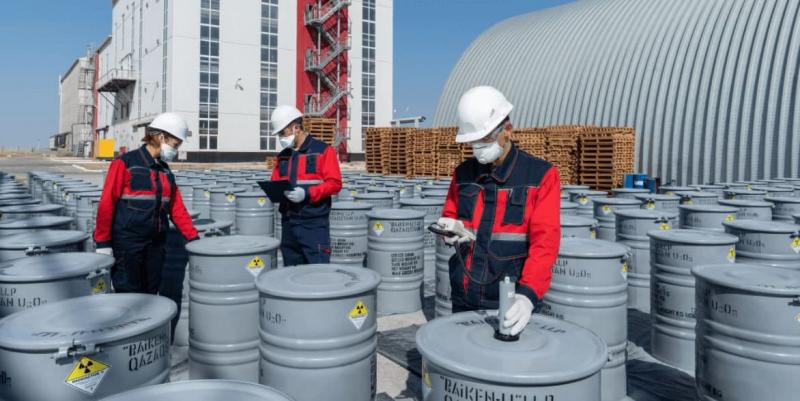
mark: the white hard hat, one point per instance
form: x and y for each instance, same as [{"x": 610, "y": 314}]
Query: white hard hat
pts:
[
  {"x": 171, "y": 123},
  {"x": 282, "y": 116},
  {"x": 480, "y": 110}
]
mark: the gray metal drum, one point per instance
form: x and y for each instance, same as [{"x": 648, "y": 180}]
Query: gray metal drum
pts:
[
  {"x": 36, "y": 243},
  {"x": 318, "y": 329},
  {"x": 785, "y": 207},
  {"x": 85, "y": 348},
  {"x": 222, "y": 296},
  {"x": 202, "y": 390},
  {"x": 201, "y": 200},
  {"x": 20, "y": 202},
  {"x": 348, "y": 230},
  {"x": 750, "y": 209},
  {"x": 433, "y": 211},
  {"x": 604, "y": 214},
  {"x": 715, "y": 188},
  {"x": 223, "y": 204},
  {"x": 395, "y": 249},
  {"x": 35, "y": 281},
  {"x": 672, "y": 189},
  {"x": 578, "y": 227},
  {"x": 774, "y": 243},
  {"x": 254, "y": 214},
  {"x": 569, "y": 208},
  {"x": 796, "y": 219},
  {"x": 775, "y": 191},
  {"x": 35, "y": 224},
  {"x": 85, "y": 216},
  {"x": 748, "y": 345},
  {"x": 628, "y": 193},
  {"x": 698, "y": 198},
  {"x": 26, "y": 211},
  {"x": 344, "y": 194},
  {"x": 376, "y": 199},
  {"x": 435, "y": 194},
  {"x": 706, "y": 217},
  {"x": 570, "y": 188},
  {"x": 744, "y": 194},
  {"x": 589, "y": 288},
  {"x": 672, "y": 255},
  {"x": 664, "y": 202},
  {"x": 71, "y": 198},
  {"x": 632, "y": 228},
  {"x": 177, "y": 257},
  {"x": 443, "y": 304},
  {"x": 584, "y": 200},
  {"x": 552, "y": 360}
]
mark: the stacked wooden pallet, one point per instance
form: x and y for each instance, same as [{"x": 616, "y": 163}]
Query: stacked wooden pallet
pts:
[
  {"x": 450, "y": 153},
  {"x": 323, "y": 129},
  {"x": 607, "y": 154},
  {"x": 421, "y": 156},
  {"x": 562, "y": 150},
  {"x": 372, "y": 149},
  {"x": 532, "y": 140},
  {"x": 398, "y": 144}
]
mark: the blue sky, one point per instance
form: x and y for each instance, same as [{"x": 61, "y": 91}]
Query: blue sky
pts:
[{"x": 41, "y": 38}]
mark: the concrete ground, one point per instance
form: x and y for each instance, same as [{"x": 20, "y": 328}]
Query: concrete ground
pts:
[{"x": 394, "y": 381}]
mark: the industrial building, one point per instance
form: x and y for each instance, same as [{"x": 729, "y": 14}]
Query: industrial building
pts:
[
  {"x": 76, "y": 108},
  {"x": 710, "y": 86},
  {"x": 224, "y": 65}
]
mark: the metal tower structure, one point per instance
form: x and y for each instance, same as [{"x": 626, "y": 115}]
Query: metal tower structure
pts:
[{"x": 326, "y": 62}]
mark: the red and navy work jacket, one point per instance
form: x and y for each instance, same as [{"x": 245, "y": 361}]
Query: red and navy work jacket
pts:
[
  {"x": 315, "y": 168},
  {"x": 138, "y": 194},
  {"x": 513, "y": 210}
]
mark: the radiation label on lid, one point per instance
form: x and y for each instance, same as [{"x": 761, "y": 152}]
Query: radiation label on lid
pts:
[
  {"x": 256, "y": 265},
  {"x": 262, "y": 201},
  {"x": 87, "y": 375}
]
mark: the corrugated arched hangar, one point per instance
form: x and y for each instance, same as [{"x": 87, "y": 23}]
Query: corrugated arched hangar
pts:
[{"x": 709, "y": 85}]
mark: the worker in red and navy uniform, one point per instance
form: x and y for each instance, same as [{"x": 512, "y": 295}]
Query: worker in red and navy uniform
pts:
[
  {"x": 504, "y": 208},
  {"x": 312, "y": 168},
  {"x": 138, "y": 195}
]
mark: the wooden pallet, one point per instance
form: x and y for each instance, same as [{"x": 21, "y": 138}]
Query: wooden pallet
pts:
[{"x": 607, "y": 154}]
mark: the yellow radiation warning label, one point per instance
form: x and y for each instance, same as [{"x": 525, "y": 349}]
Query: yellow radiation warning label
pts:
[
  {"x": 262, "y": 201},
  {"x": 426, "y": 377},
  {"x": 796, "y": 244},
  {"x": 358, "y": 315},
  {"x": 606, "y": 209},
  {"x": 729, "y": 217},
  {"x": 231, "y": 198},
  {"x": 377, "y": 228},
  {"x": 650, "y": 205},
  {"x": 624, "y": 270},
  {"x": 732, "y": 254},
  {"x": 100, "y": 286},
  {"x": 664, "y": 226},
  {"x": 87, "y": 375},
  {"x": 256, "y": 265}
]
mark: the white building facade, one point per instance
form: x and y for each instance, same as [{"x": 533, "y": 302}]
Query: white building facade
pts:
[
  {"x": 226, "y": 64},
  {"x": 76, "y": 107}
]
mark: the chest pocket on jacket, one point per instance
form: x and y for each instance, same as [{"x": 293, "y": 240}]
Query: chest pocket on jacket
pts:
[
  {"x": 467, "y": 199},
  {"x": 283, "y": 167},
  {"x": 140, "y": 179},
  {"x": 311, "y": 164},
  {"x": 515, "y": 207}
]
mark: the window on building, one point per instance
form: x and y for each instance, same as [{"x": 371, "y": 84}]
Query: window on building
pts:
[
  {"x": 368, "y": 64},
  {"x": 269, "y": 71},
  {"x": 209, "y": 74}
]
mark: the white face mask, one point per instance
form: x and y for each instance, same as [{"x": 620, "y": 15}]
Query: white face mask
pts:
[
  {"x": 168, "y": 153},
  {"x": 487, "y": 152},
  {"x": 286, "y": 141}
]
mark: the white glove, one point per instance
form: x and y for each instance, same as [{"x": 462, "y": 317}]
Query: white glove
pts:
[
  {"x": 518, "y": 314},
  {"x": 296, "y": 195},
  {"x": 105, "y": 251},
  {"x": 461, "y": 234}
]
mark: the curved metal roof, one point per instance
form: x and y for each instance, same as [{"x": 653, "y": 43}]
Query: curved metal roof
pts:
[{"x": 710, "y": 85}]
